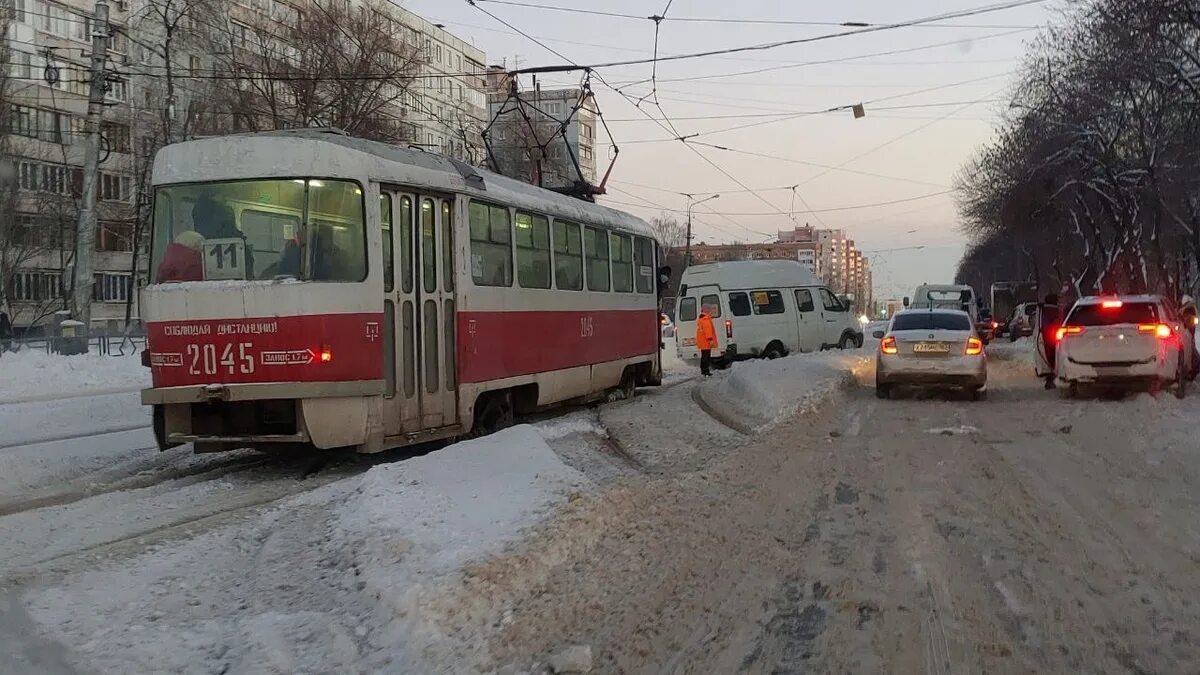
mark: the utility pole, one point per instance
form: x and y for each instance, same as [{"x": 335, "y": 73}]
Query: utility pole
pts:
[
  {"x": 85, "y": 234},
  {"x": 687, "y": 247}
]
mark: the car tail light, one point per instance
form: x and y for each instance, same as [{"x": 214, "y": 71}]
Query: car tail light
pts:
[
  {"x": 888, "y": 345},
  {"x": 1065, "y": 331},
  {"x": 1112, "y": 304},
  {"x": 974, "y": 346},
  {"x": 729, "y": 328},
  {"x": 995, "y": 325},
  {"x": 1160, "y": 330}
]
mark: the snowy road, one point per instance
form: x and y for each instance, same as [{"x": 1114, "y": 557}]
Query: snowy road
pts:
[
  {"x": 1022, "y": 534},
  {"x": 776, "y": 518}
]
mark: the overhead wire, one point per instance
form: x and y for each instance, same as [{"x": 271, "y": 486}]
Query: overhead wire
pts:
[
  {"x": 693, "y": 19},
  {"x": 1011, "y": 4},
  {"x": 841, "y": 59}
]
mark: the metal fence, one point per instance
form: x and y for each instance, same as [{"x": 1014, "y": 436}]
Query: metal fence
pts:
[{"x": 105, "y": 345}]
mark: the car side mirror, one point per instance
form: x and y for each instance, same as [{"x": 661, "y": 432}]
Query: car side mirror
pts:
[
  {"x": 878, "y": 335},
  {"x": 905, "y": 301}
]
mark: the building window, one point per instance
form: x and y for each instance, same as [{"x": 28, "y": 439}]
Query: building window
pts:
[
  {"x": 21, "y": 63},
  {"x": 491, "y": 245},
  {"x": 114, "y": 236},
  {"x": 110, "y": 287},
  {"x": 35, "y": 286},
  {"x": 114, "y": 187},
  {"x": 532, "y": 239},
  {"x": 193, "y": 65},
  {"x": 117, "y": 136}
]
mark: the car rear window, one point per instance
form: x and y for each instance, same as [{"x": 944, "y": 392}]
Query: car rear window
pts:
[
  {"x": 931, "y": 321},
  {"x": 1099, "y": 315}
]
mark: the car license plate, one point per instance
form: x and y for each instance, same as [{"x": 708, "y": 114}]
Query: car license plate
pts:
[
  {"x": 689, "y": 342},
  {"x": 931, "y": 348}
]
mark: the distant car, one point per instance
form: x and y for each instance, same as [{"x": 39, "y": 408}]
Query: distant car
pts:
[
  {"x": 1021, "y": 323},
  {"x": 931, "y": 348},
  {"x": 668, "y": 326},
  {"x": 1125, "y": 342},
  {"x": 987, "y": 328}
]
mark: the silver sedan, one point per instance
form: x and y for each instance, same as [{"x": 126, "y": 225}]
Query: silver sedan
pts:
[{"x": 937, "y": 348}]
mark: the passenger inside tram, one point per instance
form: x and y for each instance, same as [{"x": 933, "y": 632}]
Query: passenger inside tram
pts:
[{"x": 182, "y": 260}]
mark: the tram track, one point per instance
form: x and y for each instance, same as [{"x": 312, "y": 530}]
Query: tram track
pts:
[{"x": 82, "y": 435}]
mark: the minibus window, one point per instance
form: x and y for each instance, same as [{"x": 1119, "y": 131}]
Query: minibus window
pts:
[
  {"x": 767, "y": 302},
  {"x": 687, "y": 309},
  {"x": 739, "y": 304},
  {"x": 713, "y": 303}
]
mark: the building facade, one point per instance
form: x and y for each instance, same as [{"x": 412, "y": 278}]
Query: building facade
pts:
[
  {"x": 45, "y": 98},
  {"x": 169, "y": 64}
]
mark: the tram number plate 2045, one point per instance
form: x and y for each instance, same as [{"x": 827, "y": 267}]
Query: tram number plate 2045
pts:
[{"x": 931, "y": 348}]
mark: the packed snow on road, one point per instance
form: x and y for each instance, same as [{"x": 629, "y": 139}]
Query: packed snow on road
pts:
[{"x": 774, "y": 518}]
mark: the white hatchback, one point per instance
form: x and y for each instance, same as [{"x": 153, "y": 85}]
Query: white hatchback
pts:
[
  {"x": 931, "y": 348},
  {"x": 1126, "y": 342}
]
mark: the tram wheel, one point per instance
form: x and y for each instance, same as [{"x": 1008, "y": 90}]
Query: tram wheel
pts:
[{"x": 493, "y": 412}]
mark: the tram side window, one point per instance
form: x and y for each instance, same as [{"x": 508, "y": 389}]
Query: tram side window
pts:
[
  {"x": 532, "y": 239},
  {"x": 643, "y": 264},
  {"x": 568, "y": 256},
  {"x": 622, "y": 262},
  {"x": 491, "y": 245},
  {"x": 385, "y": 224},
  {"x": 595, "y": 246}
]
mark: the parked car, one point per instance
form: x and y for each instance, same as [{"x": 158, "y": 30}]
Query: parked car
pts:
[
  {"x": 763, "y": 308},
  {"x": 931, "y": 348},
  {"x": 1022, "y": 322},
  {"x": 1124, "y": 342}
]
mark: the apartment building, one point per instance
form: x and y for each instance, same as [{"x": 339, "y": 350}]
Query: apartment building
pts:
[
  {"x": 442, "y": 108},
  {"x": 449, "y": 108},
  {"x": 43, "y": 142}
]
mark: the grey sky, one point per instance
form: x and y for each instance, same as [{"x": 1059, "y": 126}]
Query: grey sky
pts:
[{"x": 924, "y": 146}]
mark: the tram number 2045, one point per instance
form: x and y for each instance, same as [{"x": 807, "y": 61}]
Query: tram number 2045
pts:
[{"x": 203, "y": 360}]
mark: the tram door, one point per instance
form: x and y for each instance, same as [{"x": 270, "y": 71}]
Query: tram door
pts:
[{"x": 420, "y": 375}]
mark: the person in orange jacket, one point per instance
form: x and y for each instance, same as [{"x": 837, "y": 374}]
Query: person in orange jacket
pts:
[{"x": 706, "y": 339}]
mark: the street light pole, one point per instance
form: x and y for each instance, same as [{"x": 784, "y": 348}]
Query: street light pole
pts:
[{"x": 692, "y": 201}]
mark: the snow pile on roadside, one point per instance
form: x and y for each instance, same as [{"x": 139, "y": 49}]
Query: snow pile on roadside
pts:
[
  {"x": 417, "y": 522},
  {"x": 31, "y": 375},
  {"x": 757, "y": 394},
  {"x": 350, "y": 577}
]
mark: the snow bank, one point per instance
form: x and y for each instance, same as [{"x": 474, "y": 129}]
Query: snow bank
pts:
[
  {"x": 32, "y": 375},
  {"x": 757, "y": 394},
  {"x": 350, "y": 577}
]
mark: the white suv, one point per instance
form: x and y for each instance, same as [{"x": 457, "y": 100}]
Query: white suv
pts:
[{"x": 1126, "y": 341}]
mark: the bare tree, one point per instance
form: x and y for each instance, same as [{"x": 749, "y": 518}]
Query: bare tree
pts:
[
  {"x": 1094, "y": 181},
  {"x": 334, "y": 65}
]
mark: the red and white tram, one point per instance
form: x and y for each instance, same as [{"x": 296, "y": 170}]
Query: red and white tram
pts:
[{"x": 312, "y": 289}]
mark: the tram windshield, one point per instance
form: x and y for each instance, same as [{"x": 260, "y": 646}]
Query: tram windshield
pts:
[{"x": 303, "y": 229}]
